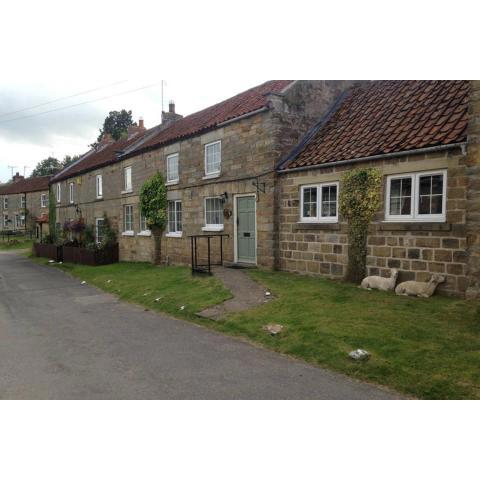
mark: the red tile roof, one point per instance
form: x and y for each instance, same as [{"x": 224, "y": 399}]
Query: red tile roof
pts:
[
  {"x": 34, "y": 184},
  {"x": 386, "y": 117},
  {"x": 241, "y": 104},
  {"x": 99, "y": 157}
]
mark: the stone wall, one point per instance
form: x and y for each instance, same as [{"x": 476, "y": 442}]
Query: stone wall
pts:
[{"x": 417, "y": 249}]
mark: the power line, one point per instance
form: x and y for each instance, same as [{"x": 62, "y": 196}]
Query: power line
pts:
[
  {"x": 59, "y": 99},
  {"x": 79, "y": 104}
]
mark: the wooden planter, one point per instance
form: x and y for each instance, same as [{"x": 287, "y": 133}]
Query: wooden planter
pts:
[
  {"x": 90, "y": 257},
  {"x": 54, "y": 252}
]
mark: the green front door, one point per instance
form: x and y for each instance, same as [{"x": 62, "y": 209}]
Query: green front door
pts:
[{"x": 246, "y": 230}]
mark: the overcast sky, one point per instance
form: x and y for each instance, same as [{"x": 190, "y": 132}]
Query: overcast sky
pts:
[{"x": 27, "y": 135}]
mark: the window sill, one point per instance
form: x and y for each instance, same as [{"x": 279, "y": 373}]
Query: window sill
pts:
[
  {"x": 145, "y": 233},
  {"x": 125, "y": 192},
  {"x": 99, "y": 198},
  {"x": 418, "y": 226},
  {"x": 213, "y": 228},
  {"x": 128, "y": 234},
  {"x": 172, "y": 182},
  {"x": 211, "y": 176},
  {"x": 316, "y": 226},
  {"x": 174, "y": 235}
]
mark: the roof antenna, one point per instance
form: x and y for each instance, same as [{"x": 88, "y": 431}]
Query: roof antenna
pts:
[
  {"x": 164, "y": 83},
  {"x": 25, "y": 169},
  {"x": 12, "y": 169}
]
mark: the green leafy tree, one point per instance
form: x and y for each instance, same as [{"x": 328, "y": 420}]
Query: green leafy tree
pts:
[
  {"x": 116, "y": 124},
  {"x": 48, "y": 166},
  {"x": 68, "y": 160},
  {"x": 359, "y": 203},
  {"x": 153, "y": 205}
]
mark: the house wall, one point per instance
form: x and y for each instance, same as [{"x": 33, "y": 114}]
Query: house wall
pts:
[{"x": 417, "y": 249}]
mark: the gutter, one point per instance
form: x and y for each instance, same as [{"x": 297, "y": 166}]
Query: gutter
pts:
[{"x": 438, "y": 148}]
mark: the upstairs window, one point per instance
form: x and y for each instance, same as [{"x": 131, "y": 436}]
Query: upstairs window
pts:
[
  {"x": 59, "y": 193},
  {"x": 416, "y": 197},
  {"x": 319, "y": 203},
  {"x": 43, "y": 200},
  {"x": 127, "y": 177},
  {"x": 99, "y": 186},
  {"x": 213, "y": 214},
  {"x": 172, "y": 168},
  {"x": 213, "y": 158},
  {"x": 70, "y": 192},
  {"x": 5, "y": 203},
  {"x": 23, "y": 201},
  {"x": 175, "y": 217}
]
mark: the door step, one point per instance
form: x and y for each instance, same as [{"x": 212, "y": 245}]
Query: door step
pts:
[{"x": 239, "y": 265}]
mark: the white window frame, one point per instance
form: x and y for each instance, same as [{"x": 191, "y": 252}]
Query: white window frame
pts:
[
  {"x": 127, "y": 180},
  {"x": 5, "y": 221},
  {"x": 215, "y": 173},
  {"x": 208, "y": 226},
  {"x": 99, "y": 186},
  {"x": 23, "y": 201},
  {"x": 414, "y": 216},
  {"x": 128, "y": 233},
  {"x": 97, "y": 240},
  {"x": 144, "y": 230},
  {"x": 71, "y": 187},
  {"x": 319, "y": 218},
  {"x": 43, "y": 200},
  {"x": 175, "y": 233},
  {"x": 5, "y": 203},
  {"x": 59, "y": 193},
  {"x": 173, "y": 180}
]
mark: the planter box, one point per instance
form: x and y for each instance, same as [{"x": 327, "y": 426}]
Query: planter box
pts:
[
  {"x": 90, "y": 257},
  {"x": 54, "y": 252}
]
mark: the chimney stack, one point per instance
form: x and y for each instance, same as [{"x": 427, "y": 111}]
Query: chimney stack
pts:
[
  {"x": 140, "y": 128},
  {"x": 170, "y": 117},
  {"x": 17, "y": 177},
  {"x": 140, "y": 123}
]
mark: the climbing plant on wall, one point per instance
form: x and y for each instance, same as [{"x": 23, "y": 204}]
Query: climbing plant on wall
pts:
[
  {"x": 52, "y": 216},
  {"x": 359, "y": 202},
  {"x": 153, "y": 205}
]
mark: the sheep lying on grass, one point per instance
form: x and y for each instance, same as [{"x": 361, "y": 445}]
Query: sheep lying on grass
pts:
[
  {"x": 381, "y": 283},
  {"x": 420, "y": 289}
]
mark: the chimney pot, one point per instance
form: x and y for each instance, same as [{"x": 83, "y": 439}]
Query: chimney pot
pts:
[
  {"x": 171, "y": 106},
  {"x": 140, "y": 123}
]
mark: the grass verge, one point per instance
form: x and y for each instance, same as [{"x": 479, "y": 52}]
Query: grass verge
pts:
[{"x": 15, "y": 243}]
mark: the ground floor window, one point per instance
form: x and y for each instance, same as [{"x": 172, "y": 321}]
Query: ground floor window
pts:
[
  {"x": 416, "y": 196},
  {"x": 128, "y": 219},
  {"x": 5, "y": 221},
  {"x": 213, "y": 213},
  {"x": 99, "y": 230},
  {"x": 143, "y": 224},
  {"x": 175, "y": 216},
  {"x": 319, "y": 203}
]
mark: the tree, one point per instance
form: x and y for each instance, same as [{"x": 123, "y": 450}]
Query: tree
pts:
[
  {"x": 48, "y": 166},
  {"x": 153, "y": 205},
  {"x": 116, "y": 124},
  {"x": 68, "y": 160}
]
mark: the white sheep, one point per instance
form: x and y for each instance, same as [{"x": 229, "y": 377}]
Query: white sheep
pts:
[
  {"x": 419, "y": 289},
  {"x": 380, "y": 283}
]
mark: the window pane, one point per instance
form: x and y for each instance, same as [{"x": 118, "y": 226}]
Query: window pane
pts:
[
  {"x": 395, "y": 187},
  {"x": 437, "y": 204},
  {"x": 179, "y": 217},
  {"x": 406, "y": 206},
  {"x": 425, "y": 185},
  {"x": 424, "y": 205},
  {"x": 213, "y": 158},
  {"x": 395, "y": 206},
  {"x": 401, "y": 196},
  {"x": 329, "y": 201},
  {"x": 406, "y": 187},
  {"x": 213, "y": 211},
  {"x": 437, "y": 184},
  {"x": 310, "y": 202}
]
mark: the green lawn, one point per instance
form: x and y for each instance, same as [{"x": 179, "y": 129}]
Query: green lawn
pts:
[
  {"x": 15, "y": 243},
  {"x": 426, "y": 348}
]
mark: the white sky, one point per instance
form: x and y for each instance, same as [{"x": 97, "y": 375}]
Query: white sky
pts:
[{"x": 206, "y": 51}]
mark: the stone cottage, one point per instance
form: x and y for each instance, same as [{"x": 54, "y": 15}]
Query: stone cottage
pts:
[
  {"x": 423, "y": 136},
  {"x": 24, "y": 205},
  {"x": 219, "y": 167}
]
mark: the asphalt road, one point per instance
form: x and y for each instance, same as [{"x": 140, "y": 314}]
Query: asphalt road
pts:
[{"x": 63, "y": 340}]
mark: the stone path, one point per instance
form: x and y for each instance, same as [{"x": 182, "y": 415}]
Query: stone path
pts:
[{"x": 246, "y": 293}]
